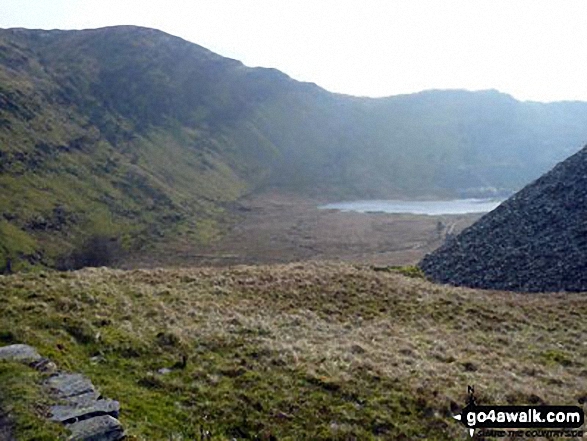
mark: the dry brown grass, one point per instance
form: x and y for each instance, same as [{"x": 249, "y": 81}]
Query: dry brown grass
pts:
[
  {"x": 280, "y": 228},
  {"x": 341, "y": 325}
]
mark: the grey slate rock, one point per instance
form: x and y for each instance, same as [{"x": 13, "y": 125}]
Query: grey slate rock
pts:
[
  {"x": 102, "y": 428},
  {"x": 71, "y": 385},
  {"x": 88, "y": 417},
  {"x": 82, "y": 400},
  {"x": 20, "y": 353},
  {"x": 68, "y": 414},
  {"x": 536, "y": 241}
]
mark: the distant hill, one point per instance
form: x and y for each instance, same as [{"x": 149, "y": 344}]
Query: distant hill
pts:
[
  {"x": 535, "y": 241},
  {"x": 129, "y": 134}
]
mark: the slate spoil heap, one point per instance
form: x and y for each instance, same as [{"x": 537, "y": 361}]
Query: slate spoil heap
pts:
[
  {"x": 81, "y": 409},
  {"x": 536, "y": 241}
]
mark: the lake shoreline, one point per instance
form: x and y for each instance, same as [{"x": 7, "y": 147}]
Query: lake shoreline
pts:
[{"x": 417, "y": 207}]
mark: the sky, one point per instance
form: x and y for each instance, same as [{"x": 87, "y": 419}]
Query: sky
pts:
[{"x": 531, "y": 49}]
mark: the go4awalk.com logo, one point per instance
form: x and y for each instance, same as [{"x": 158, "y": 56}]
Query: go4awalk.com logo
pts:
[{"x": 563, "y": 418}]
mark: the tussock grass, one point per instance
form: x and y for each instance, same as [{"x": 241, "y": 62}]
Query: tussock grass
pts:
[{"x": 298, "y": 351}]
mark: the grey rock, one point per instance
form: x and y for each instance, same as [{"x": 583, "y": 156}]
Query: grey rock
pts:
[
  {"x": 164, "y": 371},
  {"x": 71, "y": 385},
  {"x": 88, "y": 417},
  {"x": 536, "y": 241},
  {"x": 19, "y": 352},
  {"x": 68, "y": 414},
  {"x": 101, "y": 428},
  {"x": 82, "y": 399},
  {"x": 44, "y": 365}
]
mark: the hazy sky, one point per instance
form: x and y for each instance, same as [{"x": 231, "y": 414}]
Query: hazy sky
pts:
[{"x": 532, "y": 49}]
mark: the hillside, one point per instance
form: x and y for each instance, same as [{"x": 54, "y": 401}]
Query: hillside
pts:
[
  {"x": 120, "y": 137},
  {"x": 535, "y": 241},
  {"x": 298, "y": 351}
]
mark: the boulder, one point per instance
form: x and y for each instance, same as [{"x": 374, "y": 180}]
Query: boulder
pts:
[{"x": 19, "y": 352}]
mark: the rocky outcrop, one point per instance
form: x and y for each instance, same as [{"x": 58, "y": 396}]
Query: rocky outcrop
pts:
[
  {"x": 84, "y": 412},
  {"x": 536, "y": 241}
]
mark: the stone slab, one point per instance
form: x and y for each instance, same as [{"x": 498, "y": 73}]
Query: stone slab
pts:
[
  {"x": 102, "y": 428},
  {"x": 82, "y": 399},
  {"x": 67, "y": 414},
  {"x": 70, "y": 385}
]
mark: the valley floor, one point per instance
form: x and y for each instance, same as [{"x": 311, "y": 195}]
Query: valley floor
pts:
[
  {"x": 279, "y": 228},
  {"x": 325, "y": 342}
]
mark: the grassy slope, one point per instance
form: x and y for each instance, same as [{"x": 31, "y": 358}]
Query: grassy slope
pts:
[
  {"x": 300, "y": 351},
  {"x": 132, "y": 133},
  {"x": 72, "y": 166}
]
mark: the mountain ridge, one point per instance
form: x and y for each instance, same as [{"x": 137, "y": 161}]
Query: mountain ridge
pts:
[{"x": 134, "y": 134}]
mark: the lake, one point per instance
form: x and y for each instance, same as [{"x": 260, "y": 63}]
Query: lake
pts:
[{"x": 456, "y": 206}]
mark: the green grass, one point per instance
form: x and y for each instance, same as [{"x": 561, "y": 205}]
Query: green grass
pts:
[
  {"x": 99, "y": 191},
  {"x": 14, "y": 243},
  {"x": 299, "y": 351},
  {"x": 22, "y": 398}
]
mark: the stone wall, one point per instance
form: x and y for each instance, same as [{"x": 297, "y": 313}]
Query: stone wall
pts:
[{"x": 81, "y": 408}]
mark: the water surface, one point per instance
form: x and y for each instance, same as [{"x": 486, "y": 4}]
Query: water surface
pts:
[{"x": 456, "y": 206}]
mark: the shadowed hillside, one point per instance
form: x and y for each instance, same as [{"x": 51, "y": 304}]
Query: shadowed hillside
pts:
[
  {"x": 534, "y": 241},
  {"x": 124, "y": 136}
]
